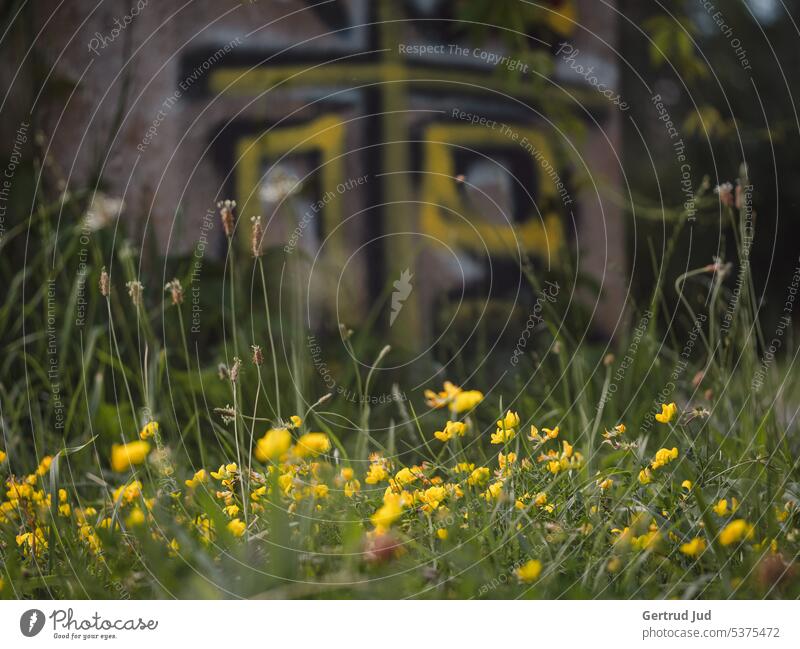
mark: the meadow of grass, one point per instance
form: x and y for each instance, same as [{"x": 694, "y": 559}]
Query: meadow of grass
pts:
[{"x": 140, "y": 460}]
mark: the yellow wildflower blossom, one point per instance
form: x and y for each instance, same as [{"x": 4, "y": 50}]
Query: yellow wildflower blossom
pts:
[
  {"x": 44, "y": 465},
  {"x": 273, "y": 445},
  {"x": 225, "y": 472},
  {"x": 494, "y": 491},
  {"x": 511, "y": 420},
  {"x": 387, "y": 513},
  {"x": 451, "y": 429},
  {"x": 236, "y": 527},
  {"x": 312, "y": 444},
  {"x": 351, "y": 488},
  {"x": 735, "y": 532},
  {"x": 722, "y": 508},
  {"x": 123, "y": 456},
  {"x": 198, "y": 478},
  {"x": 135, "y": 518},
  {"x": 377, "y": 472},
  {"x": 694, "y": 548},
  {"x": 645, "y": 476},
  {"x": 404, "y": 476},
  {"x": 465, "y": 401},
  {"x": 127, "y": 493},
  {"x": 504, "y": 461},
  {"x": 443, "y": 398},
  {"x": 33, "y": 542},
  {"x": 478, "y": 477},
  {"x": 529, "y": 571},
  {"x": 663, "y": 457},
  {"x": 503, "y": 435},
  {"x": 551, "y": 433},
  {"x": 150, "y": 429},
  {"x": 667, "y": 414},
  {"x": 431, "y": 498}
]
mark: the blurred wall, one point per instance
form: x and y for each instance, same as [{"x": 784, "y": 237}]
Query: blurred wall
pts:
[{"x": 373, "y": 137}]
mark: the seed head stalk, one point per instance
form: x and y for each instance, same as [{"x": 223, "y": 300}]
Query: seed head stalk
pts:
[
  {"x": 198, "y": 432},
  {"x": 271, "y": 340}
]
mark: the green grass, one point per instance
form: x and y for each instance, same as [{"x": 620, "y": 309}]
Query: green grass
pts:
[{"x": 128, "y": 364}]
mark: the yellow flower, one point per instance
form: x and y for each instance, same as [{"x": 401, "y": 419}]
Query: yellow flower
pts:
[
  {"x": 135, "y": 518},
  {"x": 387, "y": 513},
  {"x": 735, "y": 532},
  {"x": 351, "y": 487},
  {"x": 686, "y": 484},
  {"x": 493, "y": 491},
  {"x": 44, "y": 465},
  {"x": 721, "y": 508},
  {"x": 501, "y": 436},
  {"x": 312, "y": 444},
  {"x": 463, "y": 467},
  {"x": 606, "y": 484},
  {"x": 431, "y": 498},
  {"x": 296, "y": 421},
  {"x": 646, "y": 541},
  {"x": 478, "y": 477},
  {"x": 405, "y": 476},
  {"x": 321, "y": 491},
  {"x": 453, "y": 396},
  {"x": 236, "y": 527},
  {"x": 645, "y": 476},
  {"x": 377, "y": 472},
  {"x": 663, "y": 457},
  {"x": 123, "y": 456},
  {"x": 511, "y": 420},
  {"x": 529, "y": 571},
  {"x": 127, "y": 493},
  {"x": 2, "y": 457},
  {"x": 150, "y": 429},
  {"x": 225, "y": 471},
  {"x": 465, "y": 401},
  {"x": 451, "y": 429},
  {"x": 199, "y": 477},
  {"x": 667, "y": 414},
  {"x": 552, "y": 433},
  {"x": 694, "y": 548},
  {"x": 63, "y": 507},
  {"x": 441, "y": 399},
  {"x": 442, "y": 533},
  {"x": 33, "y": 542},
  {"x": 506, "y": 460},
  {"x": 232, "y": 511},
  {"x": 273, "y": 445},
  {"x": 540, "y": 500}
]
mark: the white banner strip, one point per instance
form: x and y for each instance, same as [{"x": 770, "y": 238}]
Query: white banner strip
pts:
[{"x": 401, "y": 624}]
